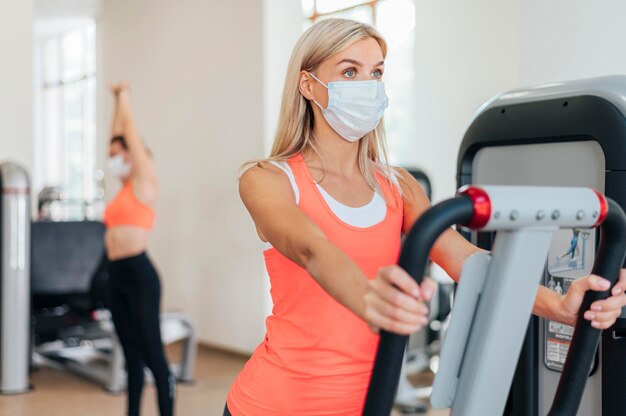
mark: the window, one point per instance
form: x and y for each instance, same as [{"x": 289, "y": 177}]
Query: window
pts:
[
  {"x": 395, "y": 19},
  {"x": 65, "y": 122}
]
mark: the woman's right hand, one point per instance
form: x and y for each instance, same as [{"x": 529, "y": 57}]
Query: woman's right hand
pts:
[
  {"x": 396, "y": 303},
  {"x": 118, "y": 87}
]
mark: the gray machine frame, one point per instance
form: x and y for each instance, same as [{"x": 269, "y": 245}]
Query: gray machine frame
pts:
[
  {"x": 14, "y": 280},
  {"x": 478, "y": 366},
  {"x": 497, "y": 291},
  {"x": 588, "y": 113}
]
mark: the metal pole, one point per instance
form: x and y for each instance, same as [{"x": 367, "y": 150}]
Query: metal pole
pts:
[{"x": 14, "y": 279}]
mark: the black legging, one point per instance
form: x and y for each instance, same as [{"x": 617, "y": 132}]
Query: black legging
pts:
[{"x": 134, "y": 304}]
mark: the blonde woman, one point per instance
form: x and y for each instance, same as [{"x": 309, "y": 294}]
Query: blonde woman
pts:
[{"x": 331, "y": 212}]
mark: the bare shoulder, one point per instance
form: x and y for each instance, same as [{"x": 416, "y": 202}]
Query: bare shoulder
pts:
[
  {"x": 405, "y": 179},
  {"x": 146, "y": 190},
  {"x": 412, "y": 191},
  {"x": 144, "y": 174},
  {"x": 264, "y": 178},
  {"x": 401, "y": 172}
]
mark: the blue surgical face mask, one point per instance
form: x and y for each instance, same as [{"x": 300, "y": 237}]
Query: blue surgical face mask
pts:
[{"x": 354, "y": 107}]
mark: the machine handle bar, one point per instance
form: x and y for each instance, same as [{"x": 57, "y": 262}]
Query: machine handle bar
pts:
[
  {"x": 609, "y": 260},
  {"x": 413, "y": 259}
]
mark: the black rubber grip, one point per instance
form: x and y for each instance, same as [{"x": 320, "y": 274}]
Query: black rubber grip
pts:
[
  {"x": 413, "y": 259},
  {"x": 609, "y": 260}
]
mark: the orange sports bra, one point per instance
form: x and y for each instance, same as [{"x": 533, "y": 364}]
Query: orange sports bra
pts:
[{"x": 126, "y": 209}]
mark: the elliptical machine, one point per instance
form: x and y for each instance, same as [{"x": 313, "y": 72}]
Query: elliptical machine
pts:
[{"x": 496, "y": 293}]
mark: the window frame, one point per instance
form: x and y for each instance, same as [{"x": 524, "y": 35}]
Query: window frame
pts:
[
  {"x": 85, "y": 82},
  {"x": 316, "y": 15}
]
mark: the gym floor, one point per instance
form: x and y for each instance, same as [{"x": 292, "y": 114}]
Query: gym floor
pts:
[{"x": 58, "y": 393}]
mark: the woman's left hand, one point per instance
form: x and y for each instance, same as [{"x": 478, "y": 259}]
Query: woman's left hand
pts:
[{"x": 602, "y": 313}]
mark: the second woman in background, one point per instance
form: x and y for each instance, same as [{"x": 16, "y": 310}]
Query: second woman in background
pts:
[{"x": 135, "y": 286}]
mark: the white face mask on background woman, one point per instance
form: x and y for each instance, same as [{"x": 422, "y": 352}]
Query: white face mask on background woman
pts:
[
  {"x": 354, "y": 107},
  {"x": 118, "y": 167}
]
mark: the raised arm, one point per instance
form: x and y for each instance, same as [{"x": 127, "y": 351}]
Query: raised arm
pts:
[
  {"x": 117, "y": 128},
  {"x": 143, "y": 171}
]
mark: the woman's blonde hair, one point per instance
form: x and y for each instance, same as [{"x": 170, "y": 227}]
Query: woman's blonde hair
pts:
[{"x": 294, "y": 133}]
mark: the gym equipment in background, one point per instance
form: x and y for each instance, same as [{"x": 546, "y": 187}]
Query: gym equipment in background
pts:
[
  {"x": 73, "y": 329},
  {"x": 560, "y": 134},
  {"x": 54, "y": 203},
  {"x": 14, "y": 280},
  {"x": 496, "y": 294}
]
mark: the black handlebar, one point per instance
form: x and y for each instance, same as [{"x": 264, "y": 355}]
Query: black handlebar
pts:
[
  {"x": 609, "y": 260},
  {"x": 413, "y": 259}
]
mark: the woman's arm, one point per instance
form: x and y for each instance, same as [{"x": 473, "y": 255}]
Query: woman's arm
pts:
[
  {"x": 564, "y": 308},
  {"x": 117, "y": 129},
  {"x": 450, "y": 250},
  {"x": 266, "y": 193},
  {"x": 143, "y": 170}
]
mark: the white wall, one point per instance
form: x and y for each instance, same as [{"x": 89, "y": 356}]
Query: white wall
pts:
[
  {"x": 16, "y": 82},
  {"x": 466, "y": 52},
  {"x": 469, "y": 51},
  {"x": 569, "y": 39},
  {"x": 196, "y": 73},
  {"x": 282, "y": 26}
]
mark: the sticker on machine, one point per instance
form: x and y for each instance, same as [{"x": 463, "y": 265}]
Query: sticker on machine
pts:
[
  {"x": 571, "y": 253},
  {"x": 558, "y": 337},
  {"x": 570, "y": 257}
]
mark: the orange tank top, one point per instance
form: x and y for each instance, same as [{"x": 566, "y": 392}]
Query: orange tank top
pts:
[
  {"x": 126, "y": 209},
  {"x": 317, "y": 356}
]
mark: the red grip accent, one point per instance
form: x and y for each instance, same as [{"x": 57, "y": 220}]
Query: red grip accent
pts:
[
  {"x": 604, "y": 208},
  {"x": 482, "y": 206}
]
